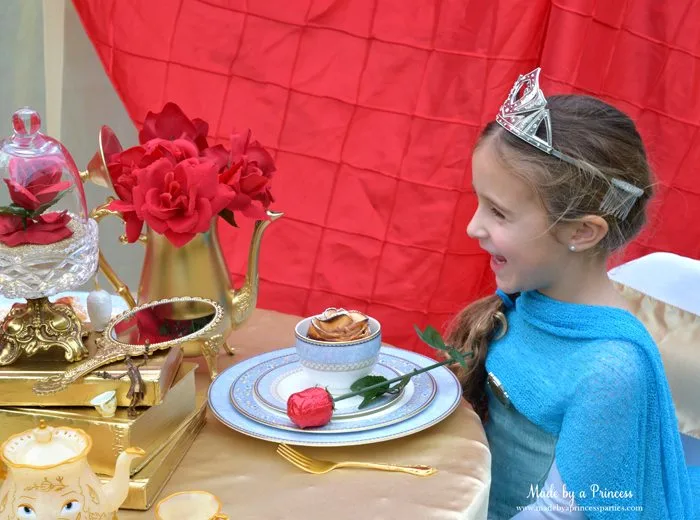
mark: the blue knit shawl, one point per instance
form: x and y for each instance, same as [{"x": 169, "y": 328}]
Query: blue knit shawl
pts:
[{"x": 593, "y": 377}]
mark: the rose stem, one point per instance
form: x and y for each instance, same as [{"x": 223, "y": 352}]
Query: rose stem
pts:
[{"x": 390, "y": 381}]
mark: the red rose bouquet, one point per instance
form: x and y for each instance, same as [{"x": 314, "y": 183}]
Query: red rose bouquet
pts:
[
  {"x": 34, "y": 186},
  {"x": 176, "y": 183}
]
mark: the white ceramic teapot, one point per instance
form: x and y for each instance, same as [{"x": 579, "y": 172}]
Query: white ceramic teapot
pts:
[{"x": 49, "y": 477}]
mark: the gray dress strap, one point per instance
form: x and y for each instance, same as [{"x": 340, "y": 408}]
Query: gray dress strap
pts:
[{"x": 522, "y": 454}]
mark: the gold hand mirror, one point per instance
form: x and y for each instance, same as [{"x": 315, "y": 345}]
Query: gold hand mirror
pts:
[{"x": 149, "y": 327}]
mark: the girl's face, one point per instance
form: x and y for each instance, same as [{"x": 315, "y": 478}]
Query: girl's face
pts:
[{"x": 511, "y": 224}]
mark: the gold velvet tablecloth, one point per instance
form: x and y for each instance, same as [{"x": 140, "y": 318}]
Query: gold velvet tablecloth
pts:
[{"x": 252, "y": 481}]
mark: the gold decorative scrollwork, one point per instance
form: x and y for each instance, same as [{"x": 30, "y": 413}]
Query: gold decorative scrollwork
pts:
[
  {"x": 109, "y": 350},
  {"x": 46, "y": 485},
  {"x": 41, "y": 325},
  {"x": 93, "y": 495},
  {"x": 210, "y": 351}
]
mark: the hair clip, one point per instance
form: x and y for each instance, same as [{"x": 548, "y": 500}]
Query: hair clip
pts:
[{"x": 620, "y": 198}]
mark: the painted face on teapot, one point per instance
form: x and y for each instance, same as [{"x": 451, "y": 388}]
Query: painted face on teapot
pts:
[
  {"x": 45, "y": 499},
  {"x": 49, "y": 477}
]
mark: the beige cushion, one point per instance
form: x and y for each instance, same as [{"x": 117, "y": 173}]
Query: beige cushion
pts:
[{"x": 677, "y": 334}]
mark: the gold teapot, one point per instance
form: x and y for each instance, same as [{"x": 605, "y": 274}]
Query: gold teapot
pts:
[
  {"x": 195, "y": 269},
  {"x": 49, "y": 477}
]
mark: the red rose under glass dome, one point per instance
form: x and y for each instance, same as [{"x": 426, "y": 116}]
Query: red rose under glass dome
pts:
[{"x": 47, "y": 242}]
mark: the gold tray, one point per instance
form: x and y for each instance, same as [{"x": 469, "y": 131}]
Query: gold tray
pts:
[
  {"x": 18, "y": 379},
  {"x": 148, "y": 483},
  {"x": 149, "y": 430}
]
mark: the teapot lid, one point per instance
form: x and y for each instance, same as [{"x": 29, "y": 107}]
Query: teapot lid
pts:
[{"x": 45, "y": 447}]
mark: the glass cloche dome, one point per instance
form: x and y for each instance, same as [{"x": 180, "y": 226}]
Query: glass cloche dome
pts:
[{"x": 48, "y": 243}]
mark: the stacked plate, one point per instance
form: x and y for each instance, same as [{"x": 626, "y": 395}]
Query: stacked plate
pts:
[{"x": 251, "y": 397}]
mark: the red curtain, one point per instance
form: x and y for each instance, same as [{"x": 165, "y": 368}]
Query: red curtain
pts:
[{"x": 372, "y": 107}]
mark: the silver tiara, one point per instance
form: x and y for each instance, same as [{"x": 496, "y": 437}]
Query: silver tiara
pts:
[{"x": 523, "y": 113}]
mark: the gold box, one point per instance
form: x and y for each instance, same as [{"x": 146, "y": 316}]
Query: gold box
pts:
[
  {"x": 147, "y": 484},
  {"x": 149, "y": 430},
  {"x": 18, "y": 379}
]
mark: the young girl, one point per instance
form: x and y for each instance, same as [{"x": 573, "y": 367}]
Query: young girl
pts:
[{"x": 577, "y": 409}]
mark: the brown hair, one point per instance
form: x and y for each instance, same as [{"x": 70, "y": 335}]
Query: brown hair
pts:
[{"x": 606, "y": 143}]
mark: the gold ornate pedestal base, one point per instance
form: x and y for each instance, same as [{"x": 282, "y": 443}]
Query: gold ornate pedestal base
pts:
[{"x": 40, "y": 325}]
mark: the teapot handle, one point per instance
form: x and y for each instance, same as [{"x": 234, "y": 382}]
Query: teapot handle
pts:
[{"x": 98, "y": 214}]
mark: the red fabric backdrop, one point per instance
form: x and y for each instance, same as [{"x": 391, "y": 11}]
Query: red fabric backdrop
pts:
[{"x": 372, "y": 107}]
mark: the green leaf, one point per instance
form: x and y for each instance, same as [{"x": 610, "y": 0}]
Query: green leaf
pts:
[
  {"x": 368, "y": 400},
  {"x": 372, "y": 394},
  {"x": 401, "y": 384},
  {"x": 14, "y": 210},
  {"x": 431, "y": 336},
  {"x": 460, "y": 358},
  {"x": 366, "y": 381}
]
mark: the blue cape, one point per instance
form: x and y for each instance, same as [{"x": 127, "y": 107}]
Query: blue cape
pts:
[{"x": 593, "y": 377}]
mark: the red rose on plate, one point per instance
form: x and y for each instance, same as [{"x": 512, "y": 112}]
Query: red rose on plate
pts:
[
  {"x": 310, "y": 408},
  {"x": 34, "y": 183},
  {"x": 180, "y": 202},
  {"x": 44, "y": 229}
]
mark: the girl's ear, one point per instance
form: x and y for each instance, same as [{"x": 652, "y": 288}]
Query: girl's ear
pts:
[{"x": 585, "y": 233}]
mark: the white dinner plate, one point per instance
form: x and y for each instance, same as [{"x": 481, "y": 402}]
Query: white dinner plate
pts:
[{"x": 448, "y": 395}]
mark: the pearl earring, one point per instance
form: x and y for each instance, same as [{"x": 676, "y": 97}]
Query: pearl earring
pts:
[{"x": 572, "y": 247}]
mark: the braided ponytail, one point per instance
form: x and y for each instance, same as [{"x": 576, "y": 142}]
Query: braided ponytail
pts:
[{"x": 470, "y": 332}]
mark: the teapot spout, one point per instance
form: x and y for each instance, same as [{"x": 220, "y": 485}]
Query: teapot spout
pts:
[
  {"x": 243, "y": 300},
  {"x": 116, "y": 491}
]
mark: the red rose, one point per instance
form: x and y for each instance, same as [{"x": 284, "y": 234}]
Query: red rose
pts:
[
  {"x": 123, "y": 175},
  {"x": 219, "y": 154},
  {"x": 176, "y": 150},
  {"x": 172, "y": 123},
  {"x": 180, "y": 202},
  {"x": 184, "y": 206},
  {"x": 249, "y": 173},
  {"x": 133, "y": 224},
  {"x": 310, "y": 408},
  {"x": 242, "y": 148},
  {"x": 44, "y": 229},
  {"x": 35, "y": 183},
  {"x": 125, "y": 168}
]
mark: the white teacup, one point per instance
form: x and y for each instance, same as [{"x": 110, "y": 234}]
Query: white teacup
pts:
[
  {"x": 105, "y": 403},
  {"x": 192, "y": 505},
  {"x": 336, "y": 365}
]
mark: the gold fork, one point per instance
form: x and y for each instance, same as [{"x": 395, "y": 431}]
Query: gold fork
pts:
[{"x": 318, "y": 467}]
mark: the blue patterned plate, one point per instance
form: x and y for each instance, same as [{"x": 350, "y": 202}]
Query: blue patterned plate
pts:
[
  {"x": 446, "y": 398},
  {"x": 415, "y": 396},
  {"x": 286, "y": 376}
]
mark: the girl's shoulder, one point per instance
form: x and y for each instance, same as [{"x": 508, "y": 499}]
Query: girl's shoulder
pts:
[{"x": 612, "y": 365}]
